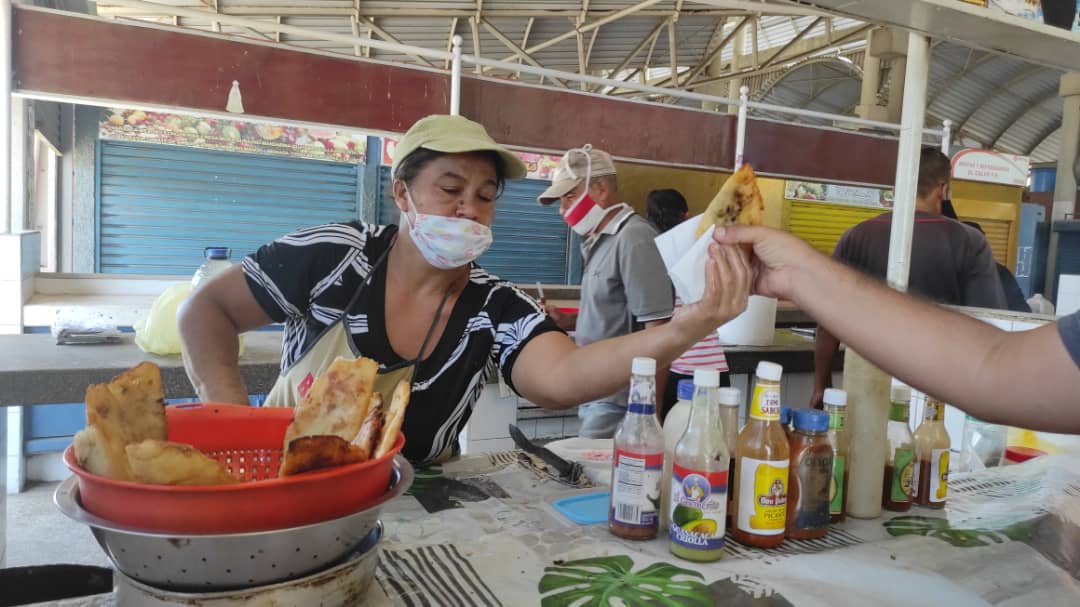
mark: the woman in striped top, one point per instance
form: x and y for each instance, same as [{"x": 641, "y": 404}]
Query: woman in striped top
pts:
[{"x": 667, "y": 209}]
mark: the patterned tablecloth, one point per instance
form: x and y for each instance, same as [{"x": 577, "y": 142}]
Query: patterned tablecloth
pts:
[{"x": 482, "y": 531}]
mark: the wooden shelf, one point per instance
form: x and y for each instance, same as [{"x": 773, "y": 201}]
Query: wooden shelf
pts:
[{"x": 970, "y": 25}]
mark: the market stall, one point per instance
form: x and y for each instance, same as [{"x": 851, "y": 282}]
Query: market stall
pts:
[{"x": 432, "y": 553}]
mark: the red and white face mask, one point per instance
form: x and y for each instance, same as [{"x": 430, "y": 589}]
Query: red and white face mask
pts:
[{"x": 584, "y": 215}]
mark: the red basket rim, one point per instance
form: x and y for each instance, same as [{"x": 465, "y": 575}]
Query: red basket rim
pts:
[{"x": 314, "y": 476}]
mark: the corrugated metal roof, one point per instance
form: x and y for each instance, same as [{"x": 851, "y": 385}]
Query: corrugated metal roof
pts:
[{"x": 994, "y": 100}]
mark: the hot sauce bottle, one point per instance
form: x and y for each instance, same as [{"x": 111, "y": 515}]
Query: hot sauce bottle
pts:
[{"x": 761, "y": 466}]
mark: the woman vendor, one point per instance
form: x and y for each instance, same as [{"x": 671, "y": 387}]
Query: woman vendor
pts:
[{"x": 412, "y": 298}]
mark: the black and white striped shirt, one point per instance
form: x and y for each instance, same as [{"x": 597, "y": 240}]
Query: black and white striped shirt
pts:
[{"x": 306, "y": 279}]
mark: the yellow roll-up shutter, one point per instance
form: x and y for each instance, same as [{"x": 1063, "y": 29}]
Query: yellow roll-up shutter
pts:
[
  {"x": 822, "y": 224},
  {"x": 997, "y": 234}
]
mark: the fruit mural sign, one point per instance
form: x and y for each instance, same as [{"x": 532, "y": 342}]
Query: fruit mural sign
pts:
[
  {"x": 834, "y": 193},
  {"x": 539, "y": 166},
  {"x": 233, "y": 135}
]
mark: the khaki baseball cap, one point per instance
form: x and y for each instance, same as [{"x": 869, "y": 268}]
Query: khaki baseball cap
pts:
[
  {"x": 454, "y": 135},
  {"x": 572, "y": 170}
]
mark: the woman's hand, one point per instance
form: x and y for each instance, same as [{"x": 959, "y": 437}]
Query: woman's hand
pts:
[
  {"x": 727, "y": 288},
  {"x": 778, "y": 259}
]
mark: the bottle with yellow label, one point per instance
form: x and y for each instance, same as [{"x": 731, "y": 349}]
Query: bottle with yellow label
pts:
[
  {"x": 761, "y": 466},
  {"x": 932, "y": 457},
  {"x": 899, "y": 454}
]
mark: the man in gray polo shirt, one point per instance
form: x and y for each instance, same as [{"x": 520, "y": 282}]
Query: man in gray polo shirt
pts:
[{"x": 624, "y": 285}]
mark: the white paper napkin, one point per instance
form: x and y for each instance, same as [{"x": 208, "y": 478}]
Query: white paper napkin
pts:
[{"x": 684, "y": 257}]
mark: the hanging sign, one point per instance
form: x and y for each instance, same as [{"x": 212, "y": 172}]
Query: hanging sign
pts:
[
  {"x": 991, "y": 167},
  {"x": 833, "y": 193}
]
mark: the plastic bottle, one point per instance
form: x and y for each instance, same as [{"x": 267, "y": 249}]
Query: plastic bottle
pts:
[
  {"x": 932, "y": 457},
  {"x": 217, "y": 261},
  {"x": 811, "y": 476},
  {"x": 699, "y": 485},
  {"x": 674, "y": 427},
  {"x": 761, "y": 466},
  {"x": 983, "y": 445},
  {"x": 835, "y": 405},
  {"x": 730, "y": 401},
  {"x": 637, "y": 464},
  {"x": 785, "y": 420},
  {"x": 900, "y": 453}
]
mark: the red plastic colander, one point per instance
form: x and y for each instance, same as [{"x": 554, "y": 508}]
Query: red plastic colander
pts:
[{"x": 248, "y": 442}]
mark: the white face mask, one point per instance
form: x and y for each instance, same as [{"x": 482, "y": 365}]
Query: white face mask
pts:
[
  {"x": 584, "y": 215},
  {"x": 446, "y": 242}
]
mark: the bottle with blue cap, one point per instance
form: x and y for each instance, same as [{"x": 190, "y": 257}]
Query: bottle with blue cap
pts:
[
  {"x": 217, "y": 261},
  {"x": 811, "y": 475},
  {"x": 674, "y": 426}
]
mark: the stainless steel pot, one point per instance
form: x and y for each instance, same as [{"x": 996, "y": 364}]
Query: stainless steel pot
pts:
[
  {"x": 344, "y": 585},
  {"x": 207, "y": 563}
]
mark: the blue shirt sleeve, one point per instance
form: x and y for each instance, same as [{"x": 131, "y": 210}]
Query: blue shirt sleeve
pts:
[{"x": 1069, "y": 330}]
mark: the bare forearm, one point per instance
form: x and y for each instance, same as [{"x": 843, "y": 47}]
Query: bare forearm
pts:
[
  {"x": 952, "y": 356},
  {"x": 211, "y": 351},
  {"x": 661, "y": 369},
  {"x": 584, "y": 374}
]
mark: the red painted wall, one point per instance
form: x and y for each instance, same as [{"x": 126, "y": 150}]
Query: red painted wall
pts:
[{"x": 72, "y": 55}]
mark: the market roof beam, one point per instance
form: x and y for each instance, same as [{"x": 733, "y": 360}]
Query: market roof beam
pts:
[
  {"x": 851, "y": 34},
  {"x": 519, "y": 52},
  {"x": 587, "y": 27},
  {"x": 105, "y": 10},
  {"x": 710, "y": 56},
  {"x": 385, "y": 35}
]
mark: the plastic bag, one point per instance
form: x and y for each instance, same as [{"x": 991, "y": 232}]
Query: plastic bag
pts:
[
  {"x": 1040, "y": 305},
  {"x": 159, "y": 333}
]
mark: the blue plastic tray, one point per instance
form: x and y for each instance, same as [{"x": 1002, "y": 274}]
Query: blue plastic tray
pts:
[{"x": 589, "y": 509}]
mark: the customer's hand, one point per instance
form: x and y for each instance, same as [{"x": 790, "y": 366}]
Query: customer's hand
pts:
[
  {"x": 778, "y": 257},
  {"x": 727, "y": 288},
  {"x": 564, "y": 321}
]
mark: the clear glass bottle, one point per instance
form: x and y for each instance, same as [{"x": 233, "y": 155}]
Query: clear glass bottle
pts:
[
  {"x": 983, "y": 445},
  {"x": 699, "y": 484},
  {"x": 834, "y": 403},
  {"x": 761, "y": 466},
  {"x": 811, "y": 476},
  {"x": 730, "y": 401},
  {"x": 932, "y": 444},
  {"x": 637, "y": 465},
  {"x": 674, "y": 427},
  {"x": 900, "y": 453}
]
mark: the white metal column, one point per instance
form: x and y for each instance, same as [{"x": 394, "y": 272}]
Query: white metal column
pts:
[
  {"x": 907, "y": 161},
  {"x": 5, "y": 113},
  {"x": 740, "y": 125},
  {"x": 455, "y": 77}
]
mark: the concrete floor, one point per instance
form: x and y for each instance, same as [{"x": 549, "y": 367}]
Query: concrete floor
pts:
[{"x": 38, "y": 534}]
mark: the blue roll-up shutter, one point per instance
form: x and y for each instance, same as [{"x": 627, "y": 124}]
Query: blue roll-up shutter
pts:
[
  {"x": 159, "y": 206},
  {"x": 531, "y": 241}
]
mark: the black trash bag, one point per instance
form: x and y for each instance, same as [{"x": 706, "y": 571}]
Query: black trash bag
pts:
[{"x": 40, "y": 583}]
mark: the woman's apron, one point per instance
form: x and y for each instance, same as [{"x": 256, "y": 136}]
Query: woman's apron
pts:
[{"x": 336, "y": 341}]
